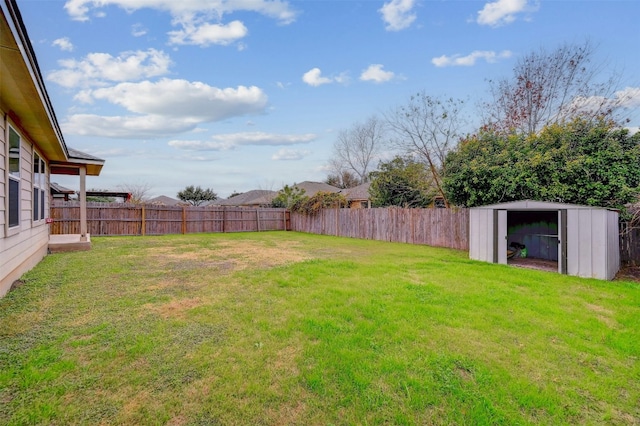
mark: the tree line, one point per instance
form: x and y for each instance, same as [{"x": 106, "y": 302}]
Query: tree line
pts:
[{"x": 553, "y": 130}]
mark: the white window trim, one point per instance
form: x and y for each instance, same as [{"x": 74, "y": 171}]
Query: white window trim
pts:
[
  {"x": 15, "y": 229},
  {"x": 41, "y": 186}
]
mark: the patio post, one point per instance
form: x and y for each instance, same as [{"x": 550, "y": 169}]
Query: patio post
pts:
[{"x": 83, "y": 203}]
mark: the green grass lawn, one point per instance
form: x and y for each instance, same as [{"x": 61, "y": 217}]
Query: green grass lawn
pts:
[{"x": 287, "y": 328}]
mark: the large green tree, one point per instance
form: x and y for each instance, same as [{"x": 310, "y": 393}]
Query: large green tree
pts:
[
  {"x": 590, "y": 162},
  {"x": 196, "y": 195},
  {"x": 402, "y": 182},
  {"x": 289, "y": 196}
]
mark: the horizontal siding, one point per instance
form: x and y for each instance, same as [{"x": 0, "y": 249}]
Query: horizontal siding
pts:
[
  {"x": 3, "y": 159},
  {"x": 26, "y": 190},
  {"x": 15, "y": 249},
  {"x": 20, "y": 251}
]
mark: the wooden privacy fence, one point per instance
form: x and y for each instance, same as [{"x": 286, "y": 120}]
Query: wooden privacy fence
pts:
[
  {"x": 433, "y": 227},
  {"x": 140, "y": 219},
  {"x": 629, "y": 245}
]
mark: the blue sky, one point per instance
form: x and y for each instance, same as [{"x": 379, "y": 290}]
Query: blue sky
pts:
[{"x": 251, "y": 94}]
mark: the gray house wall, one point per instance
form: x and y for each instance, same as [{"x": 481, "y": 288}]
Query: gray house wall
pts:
[{"x": 591, "y": 243}]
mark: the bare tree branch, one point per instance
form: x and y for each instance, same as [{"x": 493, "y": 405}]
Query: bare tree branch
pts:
[
  {"x": 139, "y": 191},
  {"x": 428, "y": 127},
  {"x": 550, "y": 88},
  {"x": 356, "y": 148}
]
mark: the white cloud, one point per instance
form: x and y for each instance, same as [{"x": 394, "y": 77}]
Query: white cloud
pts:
[
  {"x": 116, "y": 152},
  {"x": 501, "y": 12},
  {"x": 164, "y": 108},
  {"x": 376, "y": 74},
  {"x": 138, "y": 30},
  {"x": 182, "y": 98},
  {"x": 194, "y": 17},
  {"x": 290, "y": 155},
  {"x": 125, "y": 127},
  {"x": 470, "y": 59},
  {"x": 629, "y": 97},
  {"x": 64, "y": 44},
  {"x": 276, "y": 9},
  {"x": 224, "y": 142},
  {"x": 342, "y": 78},
  {"x": 314, "y": 78},
  {"x": 397, "y": 14},
  {"x": 207, "y": 34},
  {"x": 96, "y": 69}
]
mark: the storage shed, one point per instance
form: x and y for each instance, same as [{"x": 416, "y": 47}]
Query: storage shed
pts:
[{"x": 572, "y": 239}]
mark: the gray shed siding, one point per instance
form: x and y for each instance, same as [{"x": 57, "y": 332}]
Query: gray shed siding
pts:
[
  {"x": 592, "y": 241},
  {"x": 481, "y": 243}
]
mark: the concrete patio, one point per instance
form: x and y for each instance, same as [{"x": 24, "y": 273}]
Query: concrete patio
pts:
[{"x": 69, "y": 242}]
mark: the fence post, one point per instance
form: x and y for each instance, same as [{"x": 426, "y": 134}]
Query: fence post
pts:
[
  {"x": 184, "y": 220},
  {"x": 258, "y": 219},
  {"x": 143, "y": 222},
  {"x": 224, "y": 219}
]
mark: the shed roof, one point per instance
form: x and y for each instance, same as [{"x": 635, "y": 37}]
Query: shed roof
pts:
[{"x": 538, "y": 205}]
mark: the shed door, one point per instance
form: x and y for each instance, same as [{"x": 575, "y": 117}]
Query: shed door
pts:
[
  {"x": 562, "y": 241},
  {"x": 501, "y": 237}
]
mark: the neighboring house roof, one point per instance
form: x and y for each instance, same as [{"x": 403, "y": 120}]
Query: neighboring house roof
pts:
[
  {"x": 312, "y": 188},
  {"x": 256, "y": 197},
  {"x": 163, "y": 200},
  {"x": 357, "y": 193},
  {"x": 59, "y": 189},
  {"x": 24, "y": 95}
]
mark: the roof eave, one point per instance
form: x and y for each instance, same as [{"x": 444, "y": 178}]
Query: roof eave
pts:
[{"x": 22, "y": 90}]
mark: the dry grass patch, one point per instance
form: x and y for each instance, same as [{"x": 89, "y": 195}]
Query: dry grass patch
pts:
[
  {"x": 604, "y": 315},
  {"x": 175, "y": 308},
  {"x": 229, "y": 256},
  {"x": 290, "y": 413}
]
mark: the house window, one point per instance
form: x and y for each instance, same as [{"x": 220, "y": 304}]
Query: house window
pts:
[
  {"x": 39, "y": 187},
  {"x": 14, "y": 178}
]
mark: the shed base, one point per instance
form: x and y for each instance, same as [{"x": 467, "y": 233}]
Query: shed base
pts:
[{"x": 532, "y": 263}]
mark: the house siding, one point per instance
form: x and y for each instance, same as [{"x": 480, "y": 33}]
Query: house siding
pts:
[
  {"x": 24, "y": 246},
  {"x": 3, "y": 171}
]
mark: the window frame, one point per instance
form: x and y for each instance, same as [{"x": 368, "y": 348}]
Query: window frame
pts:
[
  {"x": 14, "y": 182},
  {"x": 39, "y": 180}
]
